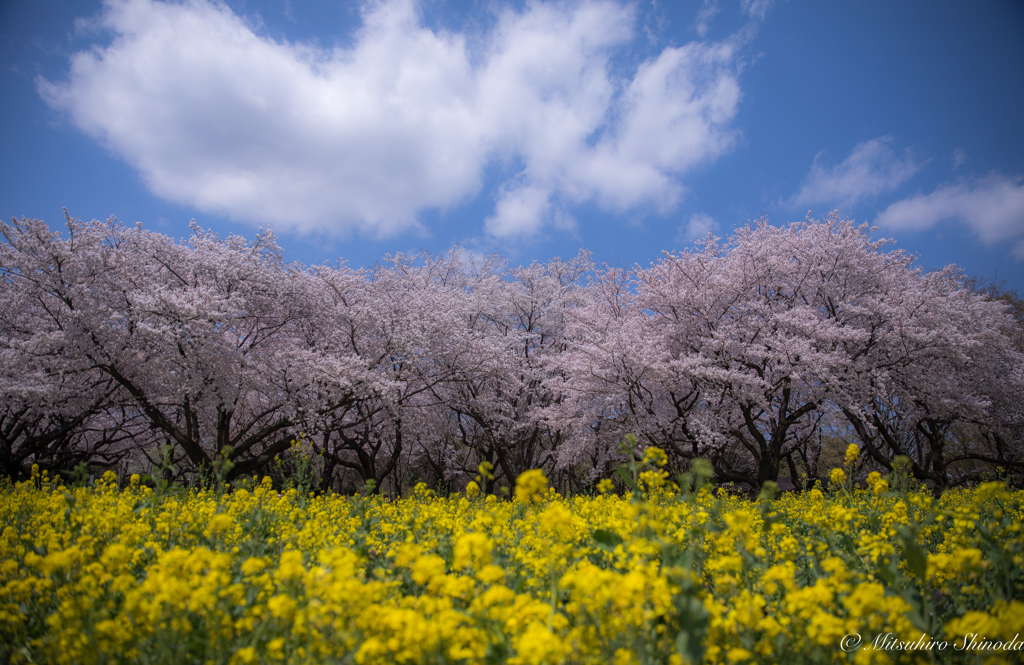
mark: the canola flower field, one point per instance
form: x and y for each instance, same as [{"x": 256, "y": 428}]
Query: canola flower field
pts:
[{"x": 659, "y": 574}]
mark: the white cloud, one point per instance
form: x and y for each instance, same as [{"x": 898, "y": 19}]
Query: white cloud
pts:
[
  {"x": 708, "y": 10},
  {"x": 520, "y": 211},
  {"x": 698, "y": 226},
  {"x": 406, "y": 119},
  {"x": 220, "y": 118},
  {"x": 871, "y": 169},
  {"x": 756, "y": 9},
  {"x": 993, "y": 207},
  {"x": 959, "y": 158}
]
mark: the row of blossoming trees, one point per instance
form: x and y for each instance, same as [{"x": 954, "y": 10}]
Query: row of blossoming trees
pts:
[{"x": 122, "y": 346}]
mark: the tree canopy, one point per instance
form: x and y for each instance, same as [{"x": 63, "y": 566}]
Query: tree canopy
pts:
[{"x": 123, "y": 347}]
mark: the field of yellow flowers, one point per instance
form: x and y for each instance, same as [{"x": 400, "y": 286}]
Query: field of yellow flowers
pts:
[{"x": 664, "y": 573}]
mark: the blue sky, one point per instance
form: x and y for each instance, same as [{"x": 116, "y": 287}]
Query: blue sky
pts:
[{"x": 533, "y": 129}]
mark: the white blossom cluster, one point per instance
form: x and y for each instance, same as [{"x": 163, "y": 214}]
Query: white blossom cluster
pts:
[{"x": 121, "y": 346}]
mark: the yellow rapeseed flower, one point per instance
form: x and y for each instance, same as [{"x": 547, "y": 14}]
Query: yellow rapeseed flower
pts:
[
  {"x": 101, "y": 573},
  {"x": 852, "y": 454},
  {"x": 531, "y": 486}
]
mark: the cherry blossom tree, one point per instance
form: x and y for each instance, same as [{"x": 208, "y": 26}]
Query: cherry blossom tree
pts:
[
  {"x": 404, "y": 327},
  {"x": 197, "y": 335},
  {"x": 617, "y": 374},
  {"x": 121, "y": 345},
  {"x": 743, "y": 351},
  {"x": 504, "y": 397},
  {"x": 784, "y": 334},
  {"x": 56, "y": 410},
  {"x": 949, "y": 397}
]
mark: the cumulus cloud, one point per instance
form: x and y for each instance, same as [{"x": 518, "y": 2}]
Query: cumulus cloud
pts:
[
  {"x": 215, "y": 116},
  {"x": 520, "y": 210},
  {"x": 871, "y": 169},
  {"x": 364, "y": 138},
  {"x": 993, "y": 207}
]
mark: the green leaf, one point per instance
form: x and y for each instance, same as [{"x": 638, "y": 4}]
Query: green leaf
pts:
[
  {"x": 626, "y": 478},
  {"x": 914, "y": 554},
  {"x": 887, "y": 573},
  {"x": 609, "y": 539},
  {"x": 919, "y": 614}
]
